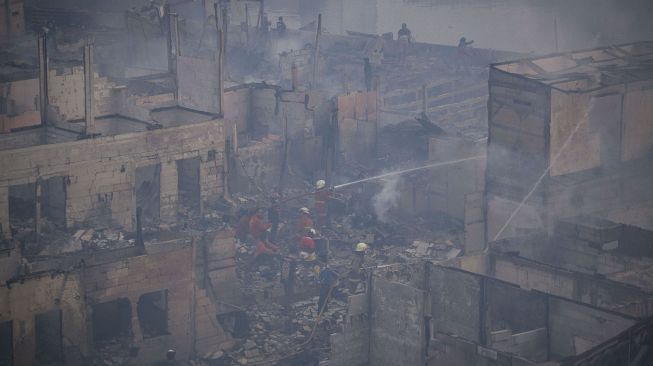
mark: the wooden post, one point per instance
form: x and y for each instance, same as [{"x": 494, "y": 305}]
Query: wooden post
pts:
[
  {"x": 43, "y": 78},
  {"x": 316, "y": 51},
  {"x": 89, "y": 91}
]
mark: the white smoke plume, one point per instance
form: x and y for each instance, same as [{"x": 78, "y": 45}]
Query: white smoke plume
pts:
[{"x": 387, "y": 198}]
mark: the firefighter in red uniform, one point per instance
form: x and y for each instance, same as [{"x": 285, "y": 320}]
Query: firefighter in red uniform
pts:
[
  {"x": 257, "y": 229},
  {"x": 304, "y": 223}
]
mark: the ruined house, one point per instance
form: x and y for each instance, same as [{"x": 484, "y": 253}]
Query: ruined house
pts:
[{"x": 517, "y": 230}]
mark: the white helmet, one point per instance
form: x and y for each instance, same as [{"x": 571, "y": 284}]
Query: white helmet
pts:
[
  {"x": 304, "y": 210},
  {"x": 361, "y": 247},
  {"x": 320, "y": 184}
]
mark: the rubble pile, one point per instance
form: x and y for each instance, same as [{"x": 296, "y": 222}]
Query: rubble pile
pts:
[
  {"x": 89, "y": 240},
  {"x": 280, "y": 332}
]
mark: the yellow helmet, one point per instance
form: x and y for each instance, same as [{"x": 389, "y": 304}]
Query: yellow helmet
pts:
[
  {"x": 320, "y": 184},
  {"x": 361, "y": 247}
]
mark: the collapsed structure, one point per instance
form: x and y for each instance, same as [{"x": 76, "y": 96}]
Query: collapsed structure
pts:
[{"x": 121, "y": 178}]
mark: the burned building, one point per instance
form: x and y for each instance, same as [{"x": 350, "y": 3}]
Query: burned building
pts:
[
  {"x": 569, "y": 135},
  {"x": 209, "y": 183}
]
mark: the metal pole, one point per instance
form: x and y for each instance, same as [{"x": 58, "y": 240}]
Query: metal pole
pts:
[
  {"x": 246, "y": 24},
  {"x": 225, "y": 24},
  {"x": 316, "y": 51},
  {"x": 43, "y": 78},
  {"x": 174, "y": 61},
  {"x": 89, "y": 91},
  {"x": 175, "y": 22},
  {"x": 169, "y": 45},
  {"x": 220, "y": 60}
]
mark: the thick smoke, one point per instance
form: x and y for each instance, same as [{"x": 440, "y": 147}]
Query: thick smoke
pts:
[{"x": 387, "y": 198}]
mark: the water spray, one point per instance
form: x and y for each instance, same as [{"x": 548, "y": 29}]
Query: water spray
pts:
[
  {"x": 545, "y": 173},
  {"x": 400, "y": 172}
]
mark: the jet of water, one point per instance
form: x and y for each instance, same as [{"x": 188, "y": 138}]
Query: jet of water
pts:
[
  {"x": 546, "y": 171},
  {"x": 400, "y": 172}
]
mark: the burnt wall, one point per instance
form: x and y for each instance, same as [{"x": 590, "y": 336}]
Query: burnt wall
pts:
[{"x": 100, "y": 173}]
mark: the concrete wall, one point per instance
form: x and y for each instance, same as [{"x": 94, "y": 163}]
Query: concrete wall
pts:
[
  {"x": 456, "y": 302},
  {"x": 450, "y": 184},
  {"x": 220, "y": 269},
  {"x": 515, "y": 320},
  {"x": 630, "y": 347},
  {"x": 357, "y": 126},
  {"x": 65, "y": 95},
  {"x": 474, "y": 320},
  {"x": 575, "y": 328},
  {"x": 517, "y": 150},
  {"x": 588, "y": 289},
  {"x": 605, "y": 132},
  {"x": 455, "y": 351},
  {"x": 45, "y": 293},
  {"x": 198, "y": 83},
  {"x": 99, "y": 173},
  {"x": 256, "y": 167},
  {"x": 397, "y": 322},
  {"x": 351, "y": 346},
  {"x": 12, "y": 25}
]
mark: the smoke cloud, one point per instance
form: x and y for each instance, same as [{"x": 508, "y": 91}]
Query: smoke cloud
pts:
[{"x": 387, "y": 198}]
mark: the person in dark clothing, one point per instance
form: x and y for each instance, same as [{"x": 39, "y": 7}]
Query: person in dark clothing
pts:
[
  {"x": 274, "y": 215},
  {"x": 242, "y": 228},
  {"x": 321, "y": 248},
  {"x": 288, "y": 273},
  {"x": 281, "y": 27},
  {"x": 328, "y": 279},
  {"x": 463, "y": 43},
  {"x": 404, "y": 33}
]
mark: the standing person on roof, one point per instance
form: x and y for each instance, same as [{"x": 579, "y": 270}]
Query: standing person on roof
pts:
[
  {"x": 404, "y": 34},
  {"x": 281, "y": 27}
]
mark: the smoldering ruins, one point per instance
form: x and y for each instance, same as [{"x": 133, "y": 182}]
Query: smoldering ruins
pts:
[{"x": 250, "y": 182}]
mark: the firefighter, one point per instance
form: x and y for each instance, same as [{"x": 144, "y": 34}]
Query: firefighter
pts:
[
  {"x": 322, "y": 196},
  {"x": 304, "y": 223},
  {"x": 257, "y": 228}
]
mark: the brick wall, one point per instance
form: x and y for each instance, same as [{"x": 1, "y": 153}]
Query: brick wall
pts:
[
  {"x": 65, "y": 95},
  {"x": 100, "y": 172},
  {"x": 45, "y": 293},
  {"x": 132, "y": 277}
]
